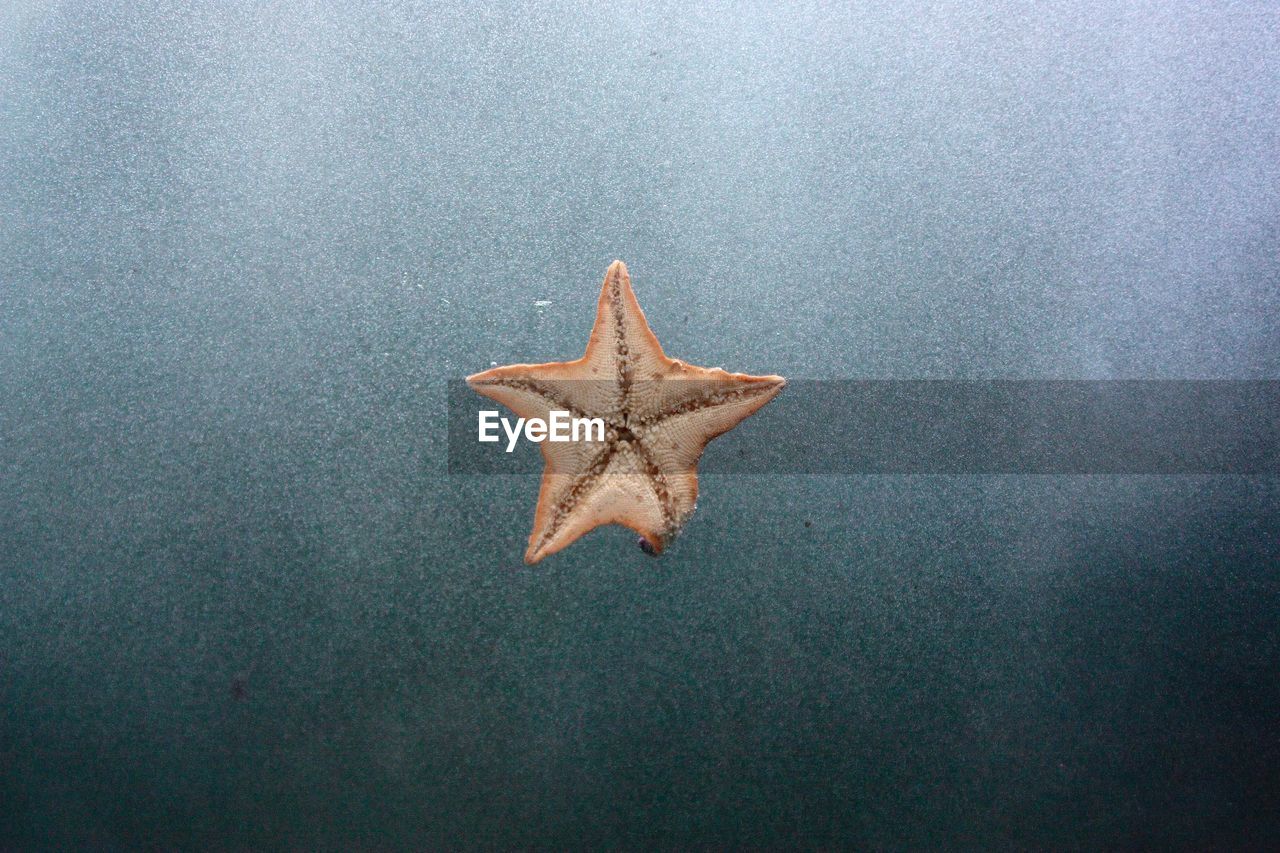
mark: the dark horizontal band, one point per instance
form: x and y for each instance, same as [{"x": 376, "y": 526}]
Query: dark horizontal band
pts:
[{"x": 964, "y": 427}]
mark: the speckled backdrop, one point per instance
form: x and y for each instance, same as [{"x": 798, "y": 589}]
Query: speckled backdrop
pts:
[{"x": 244, "y": 246}]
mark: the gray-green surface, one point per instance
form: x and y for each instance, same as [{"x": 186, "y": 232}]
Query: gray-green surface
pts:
[{"x": 243, "y": 247}]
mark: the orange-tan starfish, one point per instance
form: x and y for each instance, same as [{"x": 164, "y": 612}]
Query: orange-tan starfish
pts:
[{"x": 659, "y": 414}]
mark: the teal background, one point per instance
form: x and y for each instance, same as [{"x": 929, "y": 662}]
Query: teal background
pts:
[{"x": 244, "y": 246}]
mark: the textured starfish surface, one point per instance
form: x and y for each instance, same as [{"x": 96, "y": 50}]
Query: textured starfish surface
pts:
[{"x": 659, "y": 414}]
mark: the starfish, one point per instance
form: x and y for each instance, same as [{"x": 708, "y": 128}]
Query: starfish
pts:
[{"x": 659, "y": 414}]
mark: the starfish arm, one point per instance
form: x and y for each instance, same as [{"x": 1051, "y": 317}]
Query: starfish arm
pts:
[
  {"x": 533, "y": 390},
  {"x": 622, "y": 347},
  {"x": 687, "y": 389},
  {"x": 557, "y": 519},
  {"x": 690, "y": 414},
  {"x": 622, "y": 487},
  {"x": 676, "y": 490}
]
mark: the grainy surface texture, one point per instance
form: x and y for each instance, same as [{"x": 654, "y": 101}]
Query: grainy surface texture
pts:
[{"x": 244, "y": 246}]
